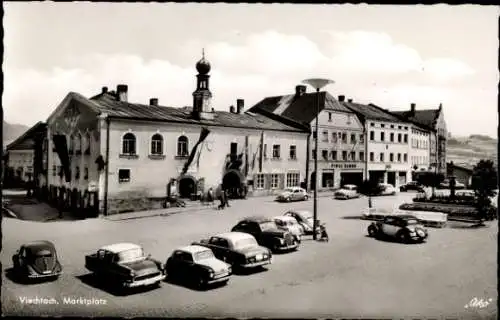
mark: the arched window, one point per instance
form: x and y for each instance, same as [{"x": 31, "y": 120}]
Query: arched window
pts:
[
  {"x": 157, "y": 144},
  {"x": 182, "y": 146},
  {"x": 128, "y": 144}
]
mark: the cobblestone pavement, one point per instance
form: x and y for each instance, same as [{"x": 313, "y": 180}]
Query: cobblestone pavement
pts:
[{"x": 351, "y": 276}]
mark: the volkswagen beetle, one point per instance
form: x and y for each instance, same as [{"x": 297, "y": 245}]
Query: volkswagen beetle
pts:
[
  {"x": 404, "y": 228},
  {"x": 37, "y": 260}
]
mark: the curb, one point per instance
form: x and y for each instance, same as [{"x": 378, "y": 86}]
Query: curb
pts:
[{"x": 160, "y": 214}]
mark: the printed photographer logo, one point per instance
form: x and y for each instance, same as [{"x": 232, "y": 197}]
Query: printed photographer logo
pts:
[{"x": 478, "y": 303}]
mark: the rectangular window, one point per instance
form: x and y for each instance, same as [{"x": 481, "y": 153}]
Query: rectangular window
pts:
[
  {"x": 399, "y": 127},
  {"x": 372, "y": 156},
  {"x": 334, "y": 137},
  {"x": 344, "y": 137},
  {"x": 259, "y": 181},
  {"x": 399, "y": 157},
  {"x": 399, "y": 137},
  {"x": 54, "y": 171},
  {"x": 405, "y": 157},
  {"x": 361, "y": 156},
  {"x": 381, "y": 157},
  {"x": 391, "y": 157},
  {"x": 382, "y": 136},
  {"x": 344, "y": 155},
  {"x": 324, "y": 154},
  {"x": 86, "y": 173},
  {"x": 275, "y": 179},
  {"x": 124, "y": 175},
  {"x": 372, "y": 135},
  {"x": 293, "y": 152},
  {"x": 353, "y": 156},
  {"x": 234, "y": 148},
  {"x": 292, "y": 179},
  {"x": 313, "y": 153},
  {"x": 325, "y": 136},
  {"x": 156, "y": 147},
  {"x": 264, "y": 152},
  {"x": 314, "y": 134},
  {"x": 361, "y": 138},
  {"x": 330, "y": 116},
  {"x": 353, "y": 138},
  {"x": 391, "y": 137},
  {"x": 334, "y": 155},
  {"x": 406, "y": 138},
  {"x": 382, "y": 125},
  {"x": 392, "y": 126},
  {"x": 372, "y": 124},
  {"x": 276, "y": 151}
]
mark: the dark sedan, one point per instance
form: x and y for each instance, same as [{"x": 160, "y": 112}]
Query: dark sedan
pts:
[
  {"x": 37, "y": 260},
  {"x": 412, "y": 185}
]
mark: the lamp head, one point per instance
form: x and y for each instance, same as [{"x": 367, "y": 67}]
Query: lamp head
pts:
[{"x": 318, "y": 83}]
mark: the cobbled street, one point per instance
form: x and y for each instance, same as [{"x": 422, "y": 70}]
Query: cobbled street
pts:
[{"x": 350, "y": 276}]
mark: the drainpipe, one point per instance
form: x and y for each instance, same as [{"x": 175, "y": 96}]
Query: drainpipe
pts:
[
  {"x": 365, "y": 133},
  {"x": 308, "y": 149},
  {"x": 106, "y": 177}
]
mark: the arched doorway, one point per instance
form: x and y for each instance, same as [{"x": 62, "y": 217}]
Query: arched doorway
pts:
[
  {"x": 187, "y": 186},
  {"x": 313, "y": 180},
  {"x": 232, "y": 182}
]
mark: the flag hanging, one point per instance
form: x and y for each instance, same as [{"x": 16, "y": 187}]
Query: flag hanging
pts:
[{"x": 203, "y": 135}]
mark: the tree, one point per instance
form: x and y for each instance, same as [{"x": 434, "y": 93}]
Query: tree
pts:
[{"x": 484, "y": 182}]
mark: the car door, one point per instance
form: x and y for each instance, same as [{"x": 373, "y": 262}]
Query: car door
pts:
[
  {"x": 186, "y": 265},
  {"x": 388, "y": 227},
  {"x": 297, "y": 195},
  {"x": 175, "y": 263}
]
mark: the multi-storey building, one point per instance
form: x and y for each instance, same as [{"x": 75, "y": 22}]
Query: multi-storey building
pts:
[
  {"x": 387, "y": 144},
  {"x": 420, "y": 148},
  {"x": 432, "y": 119},
  {"x": 341, "y": 141},
  {"x": 123, "y": 155}
]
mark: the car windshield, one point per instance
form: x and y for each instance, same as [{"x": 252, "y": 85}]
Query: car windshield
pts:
[
  {"x": 268, "y": 225},
  {"x": 411, "y": 222},
  {"x": 131, "y": 255},
  {"x": 244, "y": 243},
  {"x": 289, "y": 190},
  {"x": 202, "y": 255}
]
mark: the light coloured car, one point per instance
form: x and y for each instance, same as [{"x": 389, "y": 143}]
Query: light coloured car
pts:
[
  {"x": 293, "y": 194},
  {"x": 387, "y": 189},
  {"x": 348, "y": 191},
  {"x": 304, "y": 218},
  {"x": 290, "y": 224},
  {"x": 404, "y": 228}
]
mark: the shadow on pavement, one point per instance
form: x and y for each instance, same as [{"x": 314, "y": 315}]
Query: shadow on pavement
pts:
[
  {"x": 16, "y": 278},
  {"x": 473, "y": 225},
  {"x": 395, "y": 241},
  {"x": 249, "y": 271},
  {"x": 96, "y": 282},
  {"x": 353, "y": 218},
  {"x": 184, "y": 283}
]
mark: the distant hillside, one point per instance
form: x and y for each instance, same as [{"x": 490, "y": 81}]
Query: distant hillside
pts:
[
  {"x": 12, "y": 131},
  {"x": 469, "y": 150}
]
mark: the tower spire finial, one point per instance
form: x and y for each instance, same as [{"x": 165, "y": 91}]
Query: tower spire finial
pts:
[{"x": 203, "y": 53}]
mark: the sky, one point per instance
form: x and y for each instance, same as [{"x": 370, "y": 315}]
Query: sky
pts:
[{"x": 391, "y": 56}]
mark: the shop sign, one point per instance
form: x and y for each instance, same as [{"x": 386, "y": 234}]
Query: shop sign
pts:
[{"x": 344, "y": 165}]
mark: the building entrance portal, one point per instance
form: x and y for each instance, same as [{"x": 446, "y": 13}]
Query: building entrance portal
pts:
[
  {"x": 233, "y": 183},
  {"x": 187, "y": 186}
]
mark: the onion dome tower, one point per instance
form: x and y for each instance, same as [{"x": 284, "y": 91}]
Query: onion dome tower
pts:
[{"x": 202, "y": 97}]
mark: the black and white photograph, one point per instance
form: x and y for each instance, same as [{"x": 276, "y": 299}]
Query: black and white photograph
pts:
[{"x": 238, "y": 160}]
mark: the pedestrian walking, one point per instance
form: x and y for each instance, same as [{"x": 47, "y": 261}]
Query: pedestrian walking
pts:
[{"x": 226, "y": 198}]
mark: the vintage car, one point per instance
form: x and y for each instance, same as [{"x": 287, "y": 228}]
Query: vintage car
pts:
[
  {"x": 290, "y": 224},
  {"x": 293, "y": 194},
  {"x": 305, "y": 219},
  {"x": 348, "y": 191},
  {"x": 387, "y": 189},
  {"x": 37, "y": 260},
  {"x": 238, "y": 249},
  {"x": 197, "y": 265},
  {"x": 126, "y": 265},
  {"x": 446, "y": 185},
  {"x": 404, "y": 228},
  {"x": 268, "y": 234},
  {"x": 412, "y": 185}
]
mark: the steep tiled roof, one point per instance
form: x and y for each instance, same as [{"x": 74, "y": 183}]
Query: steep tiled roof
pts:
[
  {"x": 107, "y": 103},
  {"x": 26, "y": 140},
  {"x": 371, "y": 112},
  {"x": 423, "y": 117},
  {"x": 299, "y": 108}
]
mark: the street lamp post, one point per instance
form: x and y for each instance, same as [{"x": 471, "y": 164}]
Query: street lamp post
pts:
[{"x": 317, "y": 84}]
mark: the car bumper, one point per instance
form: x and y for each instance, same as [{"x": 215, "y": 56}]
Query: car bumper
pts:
[
  {"x": 288, "y": 247},
  {"x": 145, "y": 282},
  {"x": 44, "y": 275},
  {"x": 341, "y": 196},
  {"x": 219, "y": 279},
  {"x": 256, "y": 264}
]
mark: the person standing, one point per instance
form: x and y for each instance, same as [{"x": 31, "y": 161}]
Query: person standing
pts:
[{"x": 226, "y": 198}]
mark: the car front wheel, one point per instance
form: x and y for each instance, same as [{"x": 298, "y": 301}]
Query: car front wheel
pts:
[
  {"x": 288, "y": 199},
  {"x": 306, "y": 198},
  {"x": 403, "y": 237},
  {"x": 372, "y": 231}
]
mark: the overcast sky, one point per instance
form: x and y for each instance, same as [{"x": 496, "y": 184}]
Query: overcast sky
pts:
[{"x": 388, "y": 55}]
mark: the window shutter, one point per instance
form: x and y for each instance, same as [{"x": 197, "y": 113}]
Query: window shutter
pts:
[{"x": 267, "y": 181}]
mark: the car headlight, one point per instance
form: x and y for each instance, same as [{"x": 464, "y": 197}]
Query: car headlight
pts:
[
  {"x": 211, "y": 273},
  {"x": 132, "y": 273},
  {"x": 229, "y": 270},
  {"x": 282, "y": 241}
]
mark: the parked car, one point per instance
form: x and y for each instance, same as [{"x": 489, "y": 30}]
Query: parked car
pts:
[
  {"x": 446, "y": 185},
  {"x": 126, "y": 265},
  {"x": 197, "y": 265},
  {"x": 290, "y": 224},
  {"x": 412, "y": 185},
  {"x": 238, "y": 249},
  {"x": 293, "y": 194},
  {"x": 348, "y": 191},
  {"x": 404, "y": 228},
  {"x": 305, "y": 219},
  {"x": 37, "y": 260},
  {"x": 268, "y": 234},
  {"x": 387, "y": 189}
]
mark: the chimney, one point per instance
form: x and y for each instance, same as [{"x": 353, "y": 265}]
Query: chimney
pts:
[
  {"x": 231, "y": 109},
  {"x": 341, "y": 98},
  {"x": 300, "y": 90},
  {"x": 240, "y": 105},
  {"x": 213, "y": 109},
  {"x": 153, "y": 101},
  {"x": 121, "y": 92},
  {"x": 412, "y": 108},
  {"x": 349, "y": 100},
  {"x": 104, "y": 89}
]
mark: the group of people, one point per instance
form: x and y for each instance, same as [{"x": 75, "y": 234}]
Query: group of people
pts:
[{"x": 221, "y": 194}]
